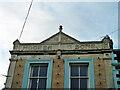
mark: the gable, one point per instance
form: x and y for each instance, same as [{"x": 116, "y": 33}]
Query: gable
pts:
[
  {"x": 63, "y": 41},
  {"x": 60, "y": 37}
]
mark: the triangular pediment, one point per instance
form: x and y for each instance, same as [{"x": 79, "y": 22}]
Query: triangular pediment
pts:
[
  {"x": 60, "y": 37},
  {"x": 62, "y": 41}
]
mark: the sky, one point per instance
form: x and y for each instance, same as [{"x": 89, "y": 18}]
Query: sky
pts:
[{"x": 85, "y": 21}]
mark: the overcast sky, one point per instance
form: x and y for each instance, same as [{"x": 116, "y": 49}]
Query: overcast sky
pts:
[{"x": 85, "y": 21}]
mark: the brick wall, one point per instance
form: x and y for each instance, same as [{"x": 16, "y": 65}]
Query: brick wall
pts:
[
  {"x": 18, "y": 74},
  {"x": 100, "y": 78},
  {"x": 58, "y": 73}
]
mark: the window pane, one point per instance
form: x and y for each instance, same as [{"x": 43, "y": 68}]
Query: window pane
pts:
[
  {"x": 42, "y": 83},
  {"x": 33, "y": 83},
  {"x": 43, "y": 71},
  {"x": 74, "y": 70},
  {"x": 83, "y": 83},
  {"x": 83, "y": 70},
  {"x": 35, "y": 71},
  {"x": 74, "y": 83}
]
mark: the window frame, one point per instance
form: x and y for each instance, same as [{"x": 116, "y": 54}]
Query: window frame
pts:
[
  {"x": 25, "y": 82},
  {"x": 91, "y": 74},
  {"x": 38, "y": 77},
  {"x": 79, "y": 77}
]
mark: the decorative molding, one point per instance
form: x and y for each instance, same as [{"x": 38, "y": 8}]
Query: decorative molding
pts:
[{"x": 64, "y": 42}]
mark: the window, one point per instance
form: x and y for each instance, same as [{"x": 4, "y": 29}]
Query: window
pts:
[
  {"x": 79, "y": 73},
  {"x": 78, "y": 76},
  {"x": 38, "y": 76}
]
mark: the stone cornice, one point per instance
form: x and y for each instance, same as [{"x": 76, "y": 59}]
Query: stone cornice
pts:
[{"x": 53, "y": 52}]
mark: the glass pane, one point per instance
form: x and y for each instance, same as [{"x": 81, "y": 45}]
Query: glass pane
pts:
[
  {"x": 42, "y": 83},
  {"x": 74, "y": 70},
  {"x": 34, "y": 71},
  {"x": 74, "y": 83},
  {"x": 33, "y": 83},
  {"x": 83, "y": 70},
  {"x": 83, "y": 83},
  {"x": 43, "y": 71}
]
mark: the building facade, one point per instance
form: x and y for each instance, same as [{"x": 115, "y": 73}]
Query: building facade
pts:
[
  {"x": 116, "y": 67},
  {"x": 61, "y": 62}
]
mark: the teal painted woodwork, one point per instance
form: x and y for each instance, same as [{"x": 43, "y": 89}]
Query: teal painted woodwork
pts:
[
  {"x": 90, "y": 62},
  {"x": 115, "y": 71},
  {"x": 37, "y": 61}
]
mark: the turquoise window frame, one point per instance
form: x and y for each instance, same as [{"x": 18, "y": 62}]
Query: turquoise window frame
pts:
[
  {"x": 37, "y": 61},
  {"x": 115, "y": 71},
  {"x": 79, "y": 61}
]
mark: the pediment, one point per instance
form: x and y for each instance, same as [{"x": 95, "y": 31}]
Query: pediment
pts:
[
  {"x": 60, "y": 37},
  {"x": 63, "y": 41}
]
